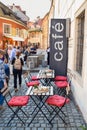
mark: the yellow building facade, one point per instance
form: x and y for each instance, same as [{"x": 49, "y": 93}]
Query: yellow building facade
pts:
[{"x": 45, "y": 31}]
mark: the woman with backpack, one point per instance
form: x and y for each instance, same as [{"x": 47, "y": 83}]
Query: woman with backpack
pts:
[{"x": 17, "y": 69}]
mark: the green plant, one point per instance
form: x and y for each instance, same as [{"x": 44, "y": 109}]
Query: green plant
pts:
[
  {"x": 83, "y": 127},
  {"x": 35, "y": 86}
]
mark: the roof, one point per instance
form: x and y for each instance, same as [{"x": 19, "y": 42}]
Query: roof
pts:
[
  {"x": 35, "y": 25},
  {"x": 8, "y": 13}
]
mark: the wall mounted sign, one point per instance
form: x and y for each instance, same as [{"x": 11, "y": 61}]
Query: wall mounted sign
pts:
[{"x": 58, "y": 46}]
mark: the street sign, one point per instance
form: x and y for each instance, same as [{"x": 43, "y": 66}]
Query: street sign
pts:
[{"x": 58, "y": 46}]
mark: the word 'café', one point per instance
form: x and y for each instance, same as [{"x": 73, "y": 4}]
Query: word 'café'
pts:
[{"x": 58, "y": 45}]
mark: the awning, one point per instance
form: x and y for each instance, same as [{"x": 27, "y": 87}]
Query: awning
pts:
[{"x": 15, "y": 38}]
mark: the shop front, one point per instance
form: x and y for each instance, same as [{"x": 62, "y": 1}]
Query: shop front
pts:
[{"x": 11, "y": 40}]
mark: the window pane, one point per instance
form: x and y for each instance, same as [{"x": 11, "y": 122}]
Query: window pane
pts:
[
  {"x": 7, "y": 29},
  {"x": 80, "y": 41}
]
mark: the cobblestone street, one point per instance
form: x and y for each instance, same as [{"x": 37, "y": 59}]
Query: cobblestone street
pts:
[{"x": 74, "y": 117}]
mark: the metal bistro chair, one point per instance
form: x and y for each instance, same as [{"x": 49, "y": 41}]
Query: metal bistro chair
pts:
[
  {"x": 61, "y": 87},
  {"x": 60, "y": 78},
  {"x": 34, "y": 77},
  {"x": 29, "y": 82},
  {"x": 62, "y": 83},
  {"x": 15, "y": 103},
  {"x": 57, "y": 103}
]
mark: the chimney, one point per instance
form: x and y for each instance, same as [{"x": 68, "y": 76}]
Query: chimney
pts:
[{"x": 13, "y": 8}]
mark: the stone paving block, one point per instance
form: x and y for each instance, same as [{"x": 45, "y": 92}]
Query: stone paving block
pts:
[
  {"x": 74, "y": 129},
  {"x": 55, "y": 125},
  {"x": 7, "y": 128},
  {"x": 13, "y": 128},
  {"x": 37, "y": 125},
  {"x": 34, "y": 128},
  {"x": 12, "y": 125},
  {"x": 61, "y": 128},
  {"x": 47, "y": 128},
  {"x": 20, "y": 128},
  {"x": 1, "y": 128},
  {"x": 27, "y": 128},
  {"x": 43, "y": 125},
  {"x": 41, "y": 128}
]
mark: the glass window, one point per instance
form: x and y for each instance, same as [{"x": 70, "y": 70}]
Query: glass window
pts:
[
  {"x": 7, "y": 29},
  {"x": 80, "y": 43},
  {"x": 17, "y": 31}
]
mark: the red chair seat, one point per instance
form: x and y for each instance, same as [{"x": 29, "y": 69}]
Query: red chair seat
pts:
[
  {"x": 57, "y": 100},
  {"x": 18, "y": 101},
  {"x": 32, "y": 83},
  {"x": 61, "y": 84},
  {"x": 34, "y": 78},
  {"x": 60, "y": 78}
]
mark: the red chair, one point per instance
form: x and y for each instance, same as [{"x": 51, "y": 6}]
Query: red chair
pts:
[
  {"x": 32, "y": 77},
  {"x": 61, "y": 87},
  {"x": 32, "y": 83},
  {"x": 29, "y": 82},
  {"x": 15, "y": 104},
  {"x": 57, "y": 102},
  {"x": 60, "y": 78}
]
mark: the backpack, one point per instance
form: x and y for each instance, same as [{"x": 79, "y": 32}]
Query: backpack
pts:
[{"x": 17, "y": 64}]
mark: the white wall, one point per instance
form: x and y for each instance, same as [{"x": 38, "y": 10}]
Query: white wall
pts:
[{"x": 69, "y": 9}]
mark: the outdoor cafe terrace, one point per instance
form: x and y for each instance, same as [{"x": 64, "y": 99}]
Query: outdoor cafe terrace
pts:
[{"x": 72, "y": 114}]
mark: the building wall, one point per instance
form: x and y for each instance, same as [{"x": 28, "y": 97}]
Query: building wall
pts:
[
  {"x": 35, "y": 37},
  {"x": 72, "y": 9},
  {"x": 45, "y": 32},
  {"x": 14, "y": 25},
  {"x": 51, "y": 15}
]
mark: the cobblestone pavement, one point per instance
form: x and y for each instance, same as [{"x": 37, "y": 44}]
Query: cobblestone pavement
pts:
[{"x": 74, "y": 117}]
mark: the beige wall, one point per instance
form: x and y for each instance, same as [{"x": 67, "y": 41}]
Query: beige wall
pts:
[
  {"x": 51, "y": 15},
  {"x": 45, "y": 32},
  {"x": 35, "y": 36},
  {"x": 72, "y": 9}
]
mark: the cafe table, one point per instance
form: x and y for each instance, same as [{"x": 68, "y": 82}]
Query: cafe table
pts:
[
  {"x": 39, "y": 96},
  {"x": 46, "y": 76}
]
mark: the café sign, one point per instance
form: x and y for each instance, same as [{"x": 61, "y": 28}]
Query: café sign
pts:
[{"x": 58, "y": 46}]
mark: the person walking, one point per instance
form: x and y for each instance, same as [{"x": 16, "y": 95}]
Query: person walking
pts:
[
  {"x": 26, "y": 54},
  {"x": 9, "y": 51},
  {"x": 2, "y": 78},
  {"x": 7, "y": 70},
  {"x": 13, "y": 53},
  {"x": 17, "y": 69}
]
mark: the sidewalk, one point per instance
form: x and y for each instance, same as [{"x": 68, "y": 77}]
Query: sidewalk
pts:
[{"x": 74, "y": 116}]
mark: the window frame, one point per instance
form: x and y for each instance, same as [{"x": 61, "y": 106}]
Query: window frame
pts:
[
  {"x": 80, "y": 43},
  {"x": 7, "y": 33}
]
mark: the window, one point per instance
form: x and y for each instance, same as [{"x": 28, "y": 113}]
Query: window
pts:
[
  {"x": 17, "y": 31},
  {"x": 80, "y": 43},
  {"x": 7, "y": 28}
]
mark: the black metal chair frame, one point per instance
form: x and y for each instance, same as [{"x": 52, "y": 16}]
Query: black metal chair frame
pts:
[
  {"x": 5, "y": 92},
  {"x": 57, "y": 111}
]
